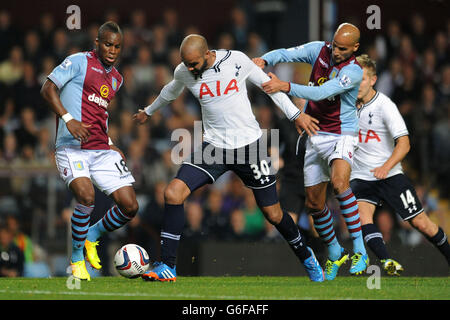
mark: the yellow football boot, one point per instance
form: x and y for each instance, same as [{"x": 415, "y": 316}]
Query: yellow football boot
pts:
[
  {"x": 79, "y": 270},
  {"x": 392, "y": 267},
  {"x": 91, "y": 254}
]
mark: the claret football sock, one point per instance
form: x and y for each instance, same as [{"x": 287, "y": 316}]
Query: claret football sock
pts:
[
  {"x": 350, "y": 212},
  {"x": 112, "y": 220},
  {"x": 80, "y": 225},
  {"x": 323, "y": 223}
]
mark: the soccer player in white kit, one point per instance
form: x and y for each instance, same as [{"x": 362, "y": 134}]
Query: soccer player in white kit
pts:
[
  {"x": 377, "y": 175},
  {"x": 217, "y": 78}
]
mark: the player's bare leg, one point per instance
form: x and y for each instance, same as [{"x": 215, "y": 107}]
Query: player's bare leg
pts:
[
  {"x": 423, "y": 224},
  {"x": 366, "y": 212},
  {"x": 83, "y": 191}
]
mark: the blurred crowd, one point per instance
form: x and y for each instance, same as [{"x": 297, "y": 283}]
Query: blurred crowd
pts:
[{"x": 413, "y": 69}]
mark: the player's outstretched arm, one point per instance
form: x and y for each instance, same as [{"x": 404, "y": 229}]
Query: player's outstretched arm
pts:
[
  {"x": 275, "y": 85},
  {"x": 305, "y": 53},
  {"x": 169, "y": 92},
  {"x": 303, "y": 122},
  {"x": 77, "y": 129}
]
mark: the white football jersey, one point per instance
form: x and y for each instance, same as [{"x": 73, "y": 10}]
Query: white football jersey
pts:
[
  {"x": 380, "y": 123},
  {"x": 228, "y": 119}
]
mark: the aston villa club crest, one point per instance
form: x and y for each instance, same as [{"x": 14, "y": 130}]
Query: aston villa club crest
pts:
[
  {"x": 114, "y": 83},
  {"x": 78, "y": 165}
]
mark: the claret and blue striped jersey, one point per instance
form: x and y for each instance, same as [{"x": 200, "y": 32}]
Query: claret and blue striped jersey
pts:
[
  {"x": 332, "y": 90},
  {"x": 86, "y": 89}
]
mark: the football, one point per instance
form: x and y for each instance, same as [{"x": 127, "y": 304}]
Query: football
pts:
[{"x": 131, "y": 261}]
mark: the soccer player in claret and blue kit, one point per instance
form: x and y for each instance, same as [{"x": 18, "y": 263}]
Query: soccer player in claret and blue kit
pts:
[
  {"x": 79, "y": 91},
  {"x": 331, "y": 95}
]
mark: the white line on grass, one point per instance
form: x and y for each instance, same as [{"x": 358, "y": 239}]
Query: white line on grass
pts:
[{"x": 155, "y": 295}]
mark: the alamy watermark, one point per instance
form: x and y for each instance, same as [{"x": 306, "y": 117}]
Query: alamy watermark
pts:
[
  {"x": 374, "y": 20},
  {"x": 74, "y": 20},
  {"x": 72, "y": 283},
  {"x": 374, "y": 280},
  {"x": 257, "y": 153}
]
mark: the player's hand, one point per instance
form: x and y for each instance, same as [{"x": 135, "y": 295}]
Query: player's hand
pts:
[
  {"x": 259, "y": 62},
  {"x": 380, "y": 172},
  {"x": 306, "y": 123},
  {"x": 113, "y": 147},
  {"x": 79, "y": 130},
  {"x": 274, "y": 84},
  {"x": 141, "y": 117}
]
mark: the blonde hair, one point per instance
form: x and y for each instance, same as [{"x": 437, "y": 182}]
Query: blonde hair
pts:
[{"x": 367, "y": 63}]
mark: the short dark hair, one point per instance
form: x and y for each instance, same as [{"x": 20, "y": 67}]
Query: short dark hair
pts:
[{"x": 108, "y": 26}]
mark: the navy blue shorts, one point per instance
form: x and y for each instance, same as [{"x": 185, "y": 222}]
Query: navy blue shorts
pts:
[
  {"x": 250, "y": 163},
  {"x": 397, "y": 191}
]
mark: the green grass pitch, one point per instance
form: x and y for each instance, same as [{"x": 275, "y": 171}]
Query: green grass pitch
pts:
[{"x": 226, "y": 288}]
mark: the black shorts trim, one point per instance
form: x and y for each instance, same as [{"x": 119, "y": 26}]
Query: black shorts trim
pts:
[
  {"x": 200, "y": 168},
  {"x": 257, "y": 188}
]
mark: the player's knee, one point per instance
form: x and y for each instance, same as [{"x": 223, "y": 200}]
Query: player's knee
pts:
[
  {"x": 128, "y": 206},
  {"x": 313, "y": 205},
  {"x": 340, "y": 185},
  {"x": 131, "y": 209},
  {"x": 174, "y": 194},
  {"x": 273, "y": 214},
  {"x": 85, "y": 197}
]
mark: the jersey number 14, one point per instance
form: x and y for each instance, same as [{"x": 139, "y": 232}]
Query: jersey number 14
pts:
[{"x": 408, "y": 200}]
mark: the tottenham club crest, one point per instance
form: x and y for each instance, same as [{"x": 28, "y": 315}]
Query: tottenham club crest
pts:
[
  {"x": 237, "y": 69},
  {"x": 370, "y": 117}
]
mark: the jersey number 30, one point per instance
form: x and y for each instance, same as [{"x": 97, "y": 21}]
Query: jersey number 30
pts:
[{"x": 262, "y": 169}]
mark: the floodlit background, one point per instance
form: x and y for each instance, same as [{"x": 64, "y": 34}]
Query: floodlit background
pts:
[{"x": 411, "y": 48}]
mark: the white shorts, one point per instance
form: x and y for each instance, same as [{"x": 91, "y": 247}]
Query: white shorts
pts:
[
  {"x": 106, "y": 168},
  {"x": 321, "y": 149}
]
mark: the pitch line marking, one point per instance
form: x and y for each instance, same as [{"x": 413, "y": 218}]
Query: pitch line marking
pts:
[{"x": 193, "y": 296}]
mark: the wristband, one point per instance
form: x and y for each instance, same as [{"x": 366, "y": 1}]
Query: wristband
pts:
[
  {"x": 67, "y": 117},
  {"x": 110, "y": 141}
]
